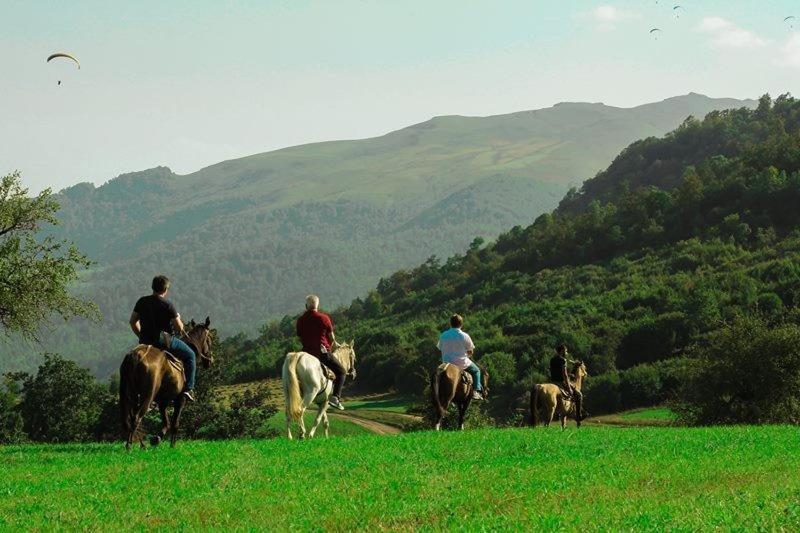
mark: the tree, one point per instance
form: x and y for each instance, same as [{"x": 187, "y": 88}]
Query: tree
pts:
[
  {"x": 62, "y": 403},
  {"x": 748, "y": 374},
  {"x": 35, "y": 271},
  {"x": 10, "y": 418}
]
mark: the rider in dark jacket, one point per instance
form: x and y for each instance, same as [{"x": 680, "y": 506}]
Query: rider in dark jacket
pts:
[
  {"x": 156, "y": 322},
  {"x": 559, "y": 376}
]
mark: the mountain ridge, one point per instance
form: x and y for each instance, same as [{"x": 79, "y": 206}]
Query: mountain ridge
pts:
[{"x": 246, "y": 239}]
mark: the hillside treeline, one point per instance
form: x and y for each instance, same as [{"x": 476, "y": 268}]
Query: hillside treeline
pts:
[{"x": 643, "y": 272}]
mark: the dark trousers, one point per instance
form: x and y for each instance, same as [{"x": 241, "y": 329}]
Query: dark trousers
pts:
[
  {"x": 577, "y": 397},
  {"x": 338, "y": 371}
]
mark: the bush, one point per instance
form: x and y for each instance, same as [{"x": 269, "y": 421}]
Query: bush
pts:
[
  {"x": 602, "y": 394},
  {"x": 245, "y": 417},
  {"x": 749, "y": 373},
  {"x": 61, "y": 403},
  {"x": 11, "y": 424},
  {"x": 640, "y": 386}
]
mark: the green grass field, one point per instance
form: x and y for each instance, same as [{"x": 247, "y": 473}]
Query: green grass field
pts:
[{"x": 595, "y": 478}]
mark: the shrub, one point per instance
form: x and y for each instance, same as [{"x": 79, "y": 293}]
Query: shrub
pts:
[
  {"x": 640, "y": 386},
  {"x": 748, "y": 373},
  {"x": 245, "y": 417},
  {"x": 61, "y": 403},
  {"x": 602, "y": 394},
  {"x": 11, "y": 424}
]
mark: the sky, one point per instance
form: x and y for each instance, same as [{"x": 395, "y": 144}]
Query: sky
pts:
[{"x": 186, "y": 84}]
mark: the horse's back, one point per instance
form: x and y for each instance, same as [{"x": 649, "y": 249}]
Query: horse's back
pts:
[{"x": 150, "y": 368}]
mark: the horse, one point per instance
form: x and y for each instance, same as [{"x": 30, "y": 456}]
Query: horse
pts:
[
  {"x": 305, "y": 382},
  {"x": 550, "y": 398},
  {"x": 447, "y": 387},
  {"x": 147, "y": 375}
]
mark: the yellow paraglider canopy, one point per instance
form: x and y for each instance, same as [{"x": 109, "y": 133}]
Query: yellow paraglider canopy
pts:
[{"x": 68, "y": 56}]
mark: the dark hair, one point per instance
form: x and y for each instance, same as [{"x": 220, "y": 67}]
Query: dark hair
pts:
[
  {"x": 456, "y": 321},
  {"x": 160, "y": 284},
  {"x": 561, "y": 347}
]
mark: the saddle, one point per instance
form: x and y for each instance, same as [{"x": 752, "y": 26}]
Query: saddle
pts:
[
  {"x": 466, "y": 377},
  {"x": 327, "y": 372},
  {"x": 176, "y": 363}
]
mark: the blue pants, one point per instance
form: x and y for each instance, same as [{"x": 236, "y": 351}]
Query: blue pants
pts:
[
  {"x": 187, "y": 356},
  {"x": 476, "y": 376}
]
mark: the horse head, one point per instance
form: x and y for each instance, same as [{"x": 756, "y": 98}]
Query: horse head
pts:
[
  {"x": 201, "y": 339},
  {"x": 579, "y": 369},
  {"x": 346, "y": 354}
]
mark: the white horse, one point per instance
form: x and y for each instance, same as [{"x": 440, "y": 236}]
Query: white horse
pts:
[{"x": 304, "y": 383}]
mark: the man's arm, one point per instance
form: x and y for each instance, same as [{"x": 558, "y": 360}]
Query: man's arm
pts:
[
  {"x": 331, "y": 336},
  {"x": 177, "y": 325},
  {"x": 136, "y": 327}
]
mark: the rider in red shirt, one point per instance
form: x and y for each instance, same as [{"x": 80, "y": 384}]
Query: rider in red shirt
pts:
[{"x": 315, "y": 330}]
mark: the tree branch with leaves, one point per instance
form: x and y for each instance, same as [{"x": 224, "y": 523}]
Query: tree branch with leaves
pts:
[{"x": 36, "y": 270}]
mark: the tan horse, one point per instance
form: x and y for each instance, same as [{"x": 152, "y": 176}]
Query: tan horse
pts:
[
  {"x": 549, "y": 398},
  {"x": 147, "y": 375},
  {"x": 305, "y": 383},
  {"x": 447, "y": 388}
]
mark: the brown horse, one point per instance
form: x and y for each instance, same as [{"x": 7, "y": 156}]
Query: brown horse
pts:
[
  {"x": 147, "y": 375},
  {"x": 549, "y": 397},
  {"x": 447, "y": 387}
]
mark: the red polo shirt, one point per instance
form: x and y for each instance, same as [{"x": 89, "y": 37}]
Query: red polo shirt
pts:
[{"x": 313, "y": 328}]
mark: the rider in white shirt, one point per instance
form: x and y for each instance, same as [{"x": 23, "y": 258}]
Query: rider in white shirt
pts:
[{"x": 456, "y": 347}]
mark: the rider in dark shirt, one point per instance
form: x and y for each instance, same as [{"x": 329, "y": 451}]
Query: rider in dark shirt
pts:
[
  {"x": 559, "y": 376},
  {"x": 156, "y": 322},
  {"x": 315, "y": 330}
]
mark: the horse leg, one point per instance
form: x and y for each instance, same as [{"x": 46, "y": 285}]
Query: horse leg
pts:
[
  {"x": 288, "y": 423},
  {"x": 308, "y": 399},
  {"x": 462, "y": 410},
  {"x": 144, "y": 407},
  {"x": 180, "y": 402},
  {"x": 325, "y": 423},
  {"x": 550, "y": 413},
  {"x": 320, "y": 414},
  {"x": 156, "y": 439}
]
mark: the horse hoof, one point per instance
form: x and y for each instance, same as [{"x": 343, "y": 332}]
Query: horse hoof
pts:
[{"x": 155, "y": 440}]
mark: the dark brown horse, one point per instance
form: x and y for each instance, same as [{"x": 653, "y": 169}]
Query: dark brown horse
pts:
[
  {"x": 447, "y": 387},
  {"x": 147, "y": 375}
]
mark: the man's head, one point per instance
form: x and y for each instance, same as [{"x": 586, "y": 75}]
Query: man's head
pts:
[
  {"x": 561, "y": 349},
  {"x": 456, "y": 321},
  {"x": 312, "y": 302},
  {"x": 160, "y": 285}
]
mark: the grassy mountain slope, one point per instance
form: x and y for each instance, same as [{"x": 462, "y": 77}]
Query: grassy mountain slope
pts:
[
  {"x": 246, "y": 239},
  {"x": 630, "y": 284}
]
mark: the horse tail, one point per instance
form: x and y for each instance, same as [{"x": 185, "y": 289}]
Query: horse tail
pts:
[
  {"x": 437, "y": 402},
  {"x": 127, "y": 392},
  {"x": 535, "y": 405},
  {"x": 291, "y": 386}
]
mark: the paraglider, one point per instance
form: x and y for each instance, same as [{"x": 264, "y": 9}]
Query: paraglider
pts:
[
  {"x": 66, "y": 56},
  {"x": 654, "y": 33},
  {"x": 790, "y": 21},
  {"x": 677, "y": 10}
]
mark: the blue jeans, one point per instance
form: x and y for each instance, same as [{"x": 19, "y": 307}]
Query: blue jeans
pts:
[
  {"x": 187, "y": 356},
  {"x": 476, "y": 376}
]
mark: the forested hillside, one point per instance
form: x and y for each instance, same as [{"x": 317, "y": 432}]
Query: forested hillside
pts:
[
  {"x": 634, "y": 272},
  {"x": 245, "y": 240}
]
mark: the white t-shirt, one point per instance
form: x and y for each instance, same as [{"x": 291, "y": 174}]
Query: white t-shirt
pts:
[{"x": 454, "y": 345}]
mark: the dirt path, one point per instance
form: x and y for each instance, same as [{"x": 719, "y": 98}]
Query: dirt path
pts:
[{"x": 371, "y": 425}]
